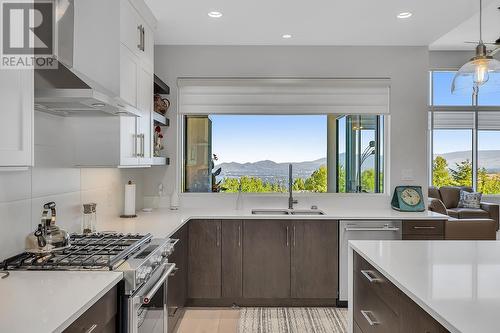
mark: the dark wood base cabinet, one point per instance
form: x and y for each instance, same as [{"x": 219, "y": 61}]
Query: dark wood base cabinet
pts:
[
  {"x": 380, "y": 307},
  {"x": 177, "y": 283},
  {"x": 262, "y": 262},
  {"x": 102, "y": 317}
]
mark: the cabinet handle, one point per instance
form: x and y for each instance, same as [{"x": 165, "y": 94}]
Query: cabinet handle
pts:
[
  {"x": 370, "y": 276},
  {"x": 135, "y": 145},
  {"x": 218, "y": 236},
  {"x": 239, "y": 235},
  {"x": 139, "y": 46},
  {"x": 91, "y": 329},
  {"x": 423, "y": 227},
  {"x": 293, "y": 236},
  {"x": 287, "y": 236},
  {"x": 370, "y": 318},
  {"x": 143, "y": 39},
  {"x": 143, "y": 145}
]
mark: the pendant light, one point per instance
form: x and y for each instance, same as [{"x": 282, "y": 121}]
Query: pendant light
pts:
[{"x": 481, "y": 69}]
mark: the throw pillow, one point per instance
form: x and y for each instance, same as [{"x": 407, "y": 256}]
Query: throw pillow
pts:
[{"x": 470, "y": 200}]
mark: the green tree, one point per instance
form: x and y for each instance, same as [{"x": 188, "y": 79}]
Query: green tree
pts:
[
  {"x": 488, "y": 183},
  {"x": 462, "y": 174},
  {"x": 440, "y": 173},
  {"x": 318, "y": 181},
  {"x": 368, "y": 180},
  {"x": 341, "y": 178},
  {"x": 299, "y": 185}
]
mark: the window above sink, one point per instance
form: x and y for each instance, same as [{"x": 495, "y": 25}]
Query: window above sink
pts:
[{"x": 240, "y": 135}]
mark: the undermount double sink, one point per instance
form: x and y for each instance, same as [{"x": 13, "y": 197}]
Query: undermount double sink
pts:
[{"x": 287, "y": 212}]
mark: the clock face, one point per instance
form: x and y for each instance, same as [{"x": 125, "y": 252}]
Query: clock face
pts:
[{"x": 410, "y": 197}]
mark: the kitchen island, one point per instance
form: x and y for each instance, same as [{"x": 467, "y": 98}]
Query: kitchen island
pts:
[{"x": 443, "y": 286}]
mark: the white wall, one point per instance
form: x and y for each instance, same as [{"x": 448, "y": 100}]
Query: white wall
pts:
[
  {"x": 23, "y": 193},
  {"x": 406, "y": 67}
]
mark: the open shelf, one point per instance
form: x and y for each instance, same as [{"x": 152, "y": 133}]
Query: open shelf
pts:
[
  {"x": 160, "y": 87},
  {"x": 160, "y": 119},
  {"x": 161, "y": 161}
]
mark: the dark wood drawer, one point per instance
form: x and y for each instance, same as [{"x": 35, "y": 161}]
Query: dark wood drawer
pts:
[
  {"x": 100, "y": 317},
  {"x": 423, "y": 237},
  {"x": 415, "y": 320},
  {"x": 356, "y": 329},
  {"x": 423, "y": 227},
  {"x": 370, "y": 278},
  {"x": 370, "y": 313}
]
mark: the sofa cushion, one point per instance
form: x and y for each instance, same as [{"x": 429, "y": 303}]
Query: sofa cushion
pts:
[
  {"x": 453, "y": 213},
  {"x": 436, "y": 205},
  {"x": 434, "y": 193},
  {"x": 468, "y": 213},
  {"x": 450, "y": 195},
  {"x": 470, "y": 199}
]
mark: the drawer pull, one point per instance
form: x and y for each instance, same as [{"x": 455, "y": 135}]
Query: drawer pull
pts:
[
  {"x": 423, "y": 227},
  {"x": 370, "y": 276},
  {"x": 370, "y": 318},
  {"x": 91, "y": 329}
]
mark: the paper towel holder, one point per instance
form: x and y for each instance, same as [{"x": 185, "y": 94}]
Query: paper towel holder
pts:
[{"x": 125, "y": 216}]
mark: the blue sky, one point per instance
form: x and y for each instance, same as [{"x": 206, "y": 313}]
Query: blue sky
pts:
[
  {"x": 278, "y": 138},
  {"x": 446, "y": 141}
]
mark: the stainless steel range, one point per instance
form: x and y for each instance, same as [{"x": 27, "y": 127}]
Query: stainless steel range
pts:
[{"x": 142, "y": 259}]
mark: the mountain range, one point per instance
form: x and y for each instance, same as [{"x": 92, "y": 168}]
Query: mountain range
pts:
[
  {"x": 271, "y": 171},
  {"x": 489, "y": 159}
]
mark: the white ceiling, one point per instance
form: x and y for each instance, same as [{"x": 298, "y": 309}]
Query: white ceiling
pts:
[
  {"x": 311, "y": 22},
  {"x": 469, "y": 30}
]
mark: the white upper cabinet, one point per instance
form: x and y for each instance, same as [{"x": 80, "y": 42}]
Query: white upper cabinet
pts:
[
  {"x": 136, "y": 33},
  {"x": 16, "y": 117},
  {"x": 145, "y": 122},
  {"x": 128, "y": 79}
]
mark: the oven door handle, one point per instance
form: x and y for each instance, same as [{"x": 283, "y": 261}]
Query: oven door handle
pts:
[{"x": 169, "y": 267}]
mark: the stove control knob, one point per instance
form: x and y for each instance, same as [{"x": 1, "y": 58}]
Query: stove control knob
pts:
[
  {"x": 141, "y": 275},
  {"x": 166, "y": 251}
]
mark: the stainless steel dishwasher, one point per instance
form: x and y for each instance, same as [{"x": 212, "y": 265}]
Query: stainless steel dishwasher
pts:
[{"x": 361, "y": 230}]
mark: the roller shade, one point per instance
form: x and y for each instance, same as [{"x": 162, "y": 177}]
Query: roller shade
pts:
[
  {"x": 283, "y": 96},
  {"x": 488, "y": 120},
  {"x": 453, "y": 120}
]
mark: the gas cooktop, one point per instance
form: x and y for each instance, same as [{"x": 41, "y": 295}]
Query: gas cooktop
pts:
[{"x": 101, "y": 251}]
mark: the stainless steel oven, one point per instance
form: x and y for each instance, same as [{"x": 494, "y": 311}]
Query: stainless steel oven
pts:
[
  {"x": 146, "y": 272},
  {"x": 145, "y": 315}
]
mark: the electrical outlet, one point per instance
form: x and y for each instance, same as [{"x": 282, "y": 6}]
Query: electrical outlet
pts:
[{"x": 407, "y": 175}]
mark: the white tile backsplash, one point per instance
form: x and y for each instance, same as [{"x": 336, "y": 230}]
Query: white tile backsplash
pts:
[
  {"x": 23, "y": 193},
  {"x": 15, "y": 224}
]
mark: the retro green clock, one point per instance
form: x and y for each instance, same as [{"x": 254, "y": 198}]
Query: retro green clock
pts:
[{"x": 408, "y": 199}]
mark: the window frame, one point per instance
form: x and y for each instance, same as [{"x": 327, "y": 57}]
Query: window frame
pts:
[
  {"x": 475, "y": 109},
  {"x": 181, "y": 152}
]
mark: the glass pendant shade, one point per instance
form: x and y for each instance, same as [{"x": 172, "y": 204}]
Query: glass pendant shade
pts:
[{"x": 479, "y": 71}]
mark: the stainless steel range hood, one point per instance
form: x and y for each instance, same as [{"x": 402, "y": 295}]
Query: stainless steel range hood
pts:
[{"x": 64, "y": 90}]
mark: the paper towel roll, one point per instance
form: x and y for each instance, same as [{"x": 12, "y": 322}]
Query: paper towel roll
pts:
[{"x": 129, "y": 207}]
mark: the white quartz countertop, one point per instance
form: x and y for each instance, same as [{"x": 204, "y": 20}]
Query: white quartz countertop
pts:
[
  {"x": 42, "y": 301},
  {"x": 164, "y": 222},
  {"x": 456, "y": 282}
]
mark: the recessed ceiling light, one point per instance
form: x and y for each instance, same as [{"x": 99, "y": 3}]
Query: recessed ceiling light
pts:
[
  {"x": 215, "y": 14},
  {"x": 404, "y": 15},
  {"x": 286, "y": 36}
]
